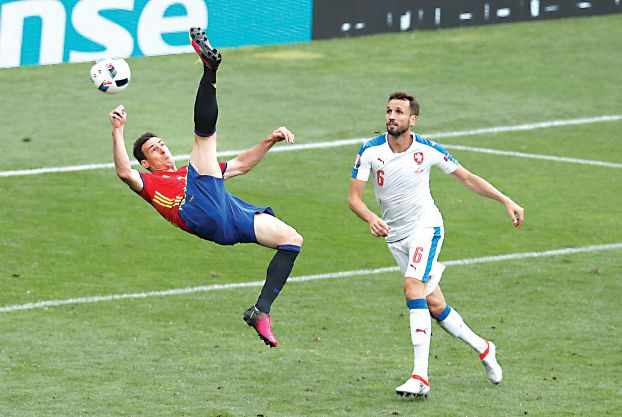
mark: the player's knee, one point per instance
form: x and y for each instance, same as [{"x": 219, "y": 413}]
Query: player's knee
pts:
[
  {"x": 293, "y": 237},
  {"x": 289, "y": 236},
  {"x": 413, "y": 288}
]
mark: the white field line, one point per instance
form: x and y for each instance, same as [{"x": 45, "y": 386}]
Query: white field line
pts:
[
  {"x": 304, "y": 278},
  {"x": 536, "y": 156},
  {"x": 355, "y": 141}
]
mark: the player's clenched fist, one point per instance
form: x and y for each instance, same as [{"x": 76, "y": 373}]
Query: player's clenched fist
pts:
[{"x": 117, "y": 116}]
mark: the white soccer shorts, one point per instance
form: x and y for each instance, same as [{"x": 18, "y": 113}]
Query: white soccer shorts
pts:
[{"x": 417, "y": 256}]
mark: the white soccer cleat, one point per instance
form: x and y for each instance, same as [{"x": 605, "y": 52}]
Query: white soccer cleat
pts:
[
  {"x": 416, "y": 386},
  {"x": 489, "y": 359}
]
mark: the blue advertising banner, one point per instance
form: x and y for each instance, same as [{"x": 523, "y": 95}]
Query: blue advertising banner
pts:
[{"x": 39, "y": 32}]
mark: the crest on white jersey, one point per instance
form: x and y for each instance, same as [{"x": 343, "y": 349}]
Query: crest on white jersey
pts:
[{"x": 418, "y": 157}]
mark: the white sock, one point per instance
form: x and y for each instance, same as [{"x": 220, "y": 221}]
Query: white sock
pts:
[
  {"x": 455, "y": 326},
  {"x": 420, "y": 329}
]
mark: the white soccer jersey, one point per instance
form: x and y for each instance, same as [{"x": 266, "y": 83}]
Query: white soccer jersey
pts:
[{"x": 402, "y": 182}]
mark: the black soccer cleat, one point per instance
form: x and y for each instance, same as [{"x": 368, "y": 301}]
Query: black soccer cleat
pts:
[{"x": 210, "y": 56}]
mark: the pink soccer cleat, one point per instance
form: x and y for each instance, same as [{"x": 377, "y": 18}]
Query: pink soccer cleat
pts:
[
  {"x": 210, "y": 56},
  {"x": 262, "y": 323}
]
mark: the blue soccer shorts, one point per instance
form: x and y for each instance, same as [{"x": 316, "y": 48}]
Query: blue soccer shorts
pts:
[{"x": 215, "y": 215}]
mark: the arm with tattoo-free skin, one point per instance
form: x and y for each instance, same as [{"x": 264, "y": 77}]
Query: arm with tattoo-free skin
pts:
[
  {"x": 249, "y": 159},
  {"x": 482, "y": 187},
  {"x": 377, "y": 226},
  {"x": 125, "y": 172}
]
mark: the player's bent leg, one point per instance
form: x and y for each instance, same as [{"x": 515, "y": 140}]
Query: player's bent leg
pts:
[
  {"x": 273, "y": 233},
  {"x": 203, "y": 156},
  {"x": 452, "y": 323}
]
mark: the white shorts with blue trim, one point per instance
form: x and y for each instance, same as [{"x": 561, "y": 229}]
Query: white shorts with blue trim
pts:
[{"x": 417, "y": 256}]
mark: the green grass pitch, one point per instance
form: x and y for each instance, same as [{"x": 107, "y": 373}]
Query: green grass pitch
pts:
[{"x": 344, "y": 342}]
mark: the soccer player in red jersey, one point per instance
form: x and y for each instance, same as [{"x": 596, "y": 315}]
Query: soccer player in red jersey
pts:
[{"x": 194, "y": 197}]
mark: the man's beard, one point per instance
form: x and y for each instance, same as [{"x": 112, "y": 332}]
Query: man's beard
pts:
[{"x": 396, "y": 133}]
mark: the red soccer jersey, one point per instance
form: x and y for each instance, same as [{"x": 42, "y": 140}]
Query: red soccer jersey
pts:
[{"x": 165, "y": 191}]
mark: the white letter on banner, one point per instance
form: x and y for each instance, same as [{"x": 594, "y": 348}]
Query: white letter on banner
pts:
[
  {"x": 87, "y": 22},
  {"x": 53, "y": 17},
  {"x": 153, "y": 24}
]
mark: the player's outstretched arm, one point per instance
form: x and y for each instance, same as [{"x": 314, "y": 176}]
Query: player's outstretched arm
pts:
[
  {"x": 483, "y": 187},
  {"x": 377, "y": 226},
  {"x": 130, "y": 176},
  {"x": 249, "y": 159}
]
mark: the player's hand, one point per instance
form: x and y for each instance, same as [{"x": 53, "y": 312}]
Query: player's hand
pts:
[
  {"x": 282, "y": 133},
  {"x": 515, "y": 212},
  {"x": 118, "y": 117},
  {"x": 378, "y": 227}
]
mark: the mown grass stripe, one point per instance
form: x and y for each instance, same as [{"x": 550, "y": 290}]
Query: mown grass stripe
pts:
[
  {"x": 304, "y": 278},
  {"x": 354, "y": 141}
]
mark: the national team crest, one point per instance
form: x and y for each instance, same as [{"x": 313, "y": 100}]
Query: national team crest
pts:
[{"x": 418, "y": 157}]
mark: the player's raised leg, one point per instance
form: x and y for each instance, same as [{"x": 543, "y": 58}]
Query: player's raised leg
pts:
[
  {"x": 452, "y": 322},
  {"x": 273, "y": 233},
  {"x": 203, "y": 155}
]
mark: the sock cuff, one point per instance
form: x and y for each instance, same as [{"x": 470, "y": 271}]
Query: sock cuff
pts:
[
  {"x": 293, "y": 248},
  {"x": 204, "y": 135},
  {"x": 444, "y": 314},
  {"x": 417, "y": 304}
]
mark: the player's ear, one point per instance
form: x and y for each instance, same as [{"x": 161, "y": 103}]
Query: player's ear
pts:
[
  {"x": 144, "y": 164},
  {"x": 413, "y": 119}
]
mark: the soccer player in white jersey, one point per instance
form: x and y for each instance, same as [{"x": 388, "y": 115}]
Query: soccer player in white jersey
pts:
[{"x": 399, "y": 162}]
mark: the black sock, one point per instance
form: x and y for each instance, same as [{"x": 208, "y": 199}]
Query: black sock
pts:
[
  {"x": 206, "y": 105},
  {"x": 278, "y": 271}
]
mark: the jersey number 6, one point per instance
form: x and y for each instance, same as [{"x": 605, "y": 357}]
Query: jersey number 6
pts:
[
  {"x": 418, "y": 254},
  {"x": 380, "y": 177}
]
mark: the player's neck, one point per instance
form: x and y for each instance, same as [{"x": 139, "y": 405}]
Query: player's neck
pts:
[
  {"x": 401, "y": 143},
  {"x": 169, "y": 169}
]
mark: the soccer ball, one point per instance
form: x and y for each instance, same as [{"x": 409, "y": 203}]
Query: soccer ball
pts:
[{"x": 111, "y": 75}]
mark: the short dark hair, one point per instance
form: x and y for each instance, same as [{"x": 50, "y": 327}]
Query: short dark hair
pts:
[
  {"x": 138, "y": 145},
  {"x": 414, "y": 104}
]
